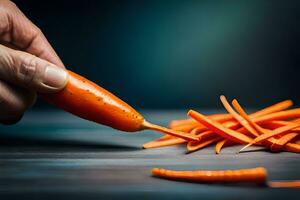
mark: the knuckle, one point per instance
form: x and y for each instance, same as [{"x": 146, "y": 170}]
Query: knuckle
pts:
[{"x": 27, "y": 69}]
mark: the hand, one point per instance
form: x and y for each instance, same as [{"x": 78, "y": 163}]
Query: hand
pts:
[{"x": 28, "y": 64}]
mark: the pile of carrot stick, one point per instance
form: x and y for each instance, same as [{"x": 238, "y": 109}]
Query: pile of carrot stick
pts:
[{"x": 276, "y": 128}]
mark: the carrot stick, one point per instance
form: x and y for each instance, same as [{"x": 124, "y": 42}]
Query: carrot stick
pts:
[
  {"x": 219, "y": 145},
  {"x": 179, "y": 122},
  {"x": 270, "y": 134},
  {"x": 194, "y": 146},
  {"x": 198, "y": 130},
  {"x": 281, "y": 115},
  {"x": 178, "y": 134},
  {"x": 183, "y": 122},
  {"x": 187, "y": 127},
  {"x": 292, "y": 147},
  {"x": 240, "y": 119},
  {"x": 274, "y": 145},
  {"x": 221, "y": 117},
  {"x": 219, "y": 128},
  {"x": 279, "y": 143},
  {"x": 297, "y": 121},
  {"x": 284, "y": 184},
  {"x": 273, "y": 108},
  {"x": 246, "y": 117},
  {"x": 255, "y": 175}
]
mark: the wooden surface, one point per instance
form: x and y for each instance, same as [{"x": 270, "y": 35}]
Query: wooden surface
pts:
[{"x": 55, "y": 155}]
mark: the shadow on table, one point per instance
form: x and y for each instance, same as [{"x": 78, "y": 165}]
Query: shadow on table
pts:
[{"x": 7, "y": 141}]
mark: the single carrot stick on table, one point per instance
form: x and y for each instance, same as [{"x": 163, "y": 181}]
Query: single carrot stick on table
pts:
[
  {"x": 254, "y": 175},
  {"x": 87, "y": 100}
]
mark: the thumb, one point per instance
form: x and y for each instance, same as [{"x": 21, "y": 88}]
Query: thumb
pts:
[{"x": 28, "y": 71}]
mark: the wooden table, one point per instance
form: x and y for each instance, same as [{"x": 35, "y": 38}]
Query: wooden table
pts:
[{"x": 56, "y": 155}]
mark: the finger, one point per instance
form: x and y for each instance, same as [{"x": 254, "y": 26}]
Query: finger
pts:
[
  {"x": 28, "y": 71},
  {"x": 17, "y": 29},
  {"x": 13, "y": 102}
]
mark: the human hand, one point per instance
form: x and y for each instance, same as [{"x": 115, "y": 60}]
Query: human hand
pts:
[{"x": 28, "y": 64}]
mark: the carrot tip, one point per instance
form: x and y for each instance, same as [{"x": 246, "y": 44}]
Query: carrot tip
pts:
[
  {"x": 172, "y": 132},
  {"x": 242, "y": 149}
]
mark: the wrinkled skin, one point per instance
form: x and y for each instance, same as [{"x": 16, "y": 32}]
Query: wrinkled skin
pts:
[{"x": 25, "y": 56}]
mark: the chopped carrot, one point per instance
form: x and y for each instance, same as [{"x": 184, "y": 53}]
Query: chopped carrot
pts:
[
  {"x": 279, "y": 143},
  {"x": 179, "y": 134},
  {"x": 218, "y": 117},
  {"x": 219, "y": 145},
  {"x": 240, "y": 119},
  {"x": 275, "y": 146},
  {"x": 272, "y": 133},
  {"x": 198, "y": 130},
  {"x": 219, "y": 128},
  {"x": 186, "y": 127},
  {"x": 193, "y": 146},
  {"x": 281, "y": 115},
  {"x": 273, "y": 127},
  {"x": 284, "y": 184},
  {"x": 273, "y": 108},
  {"x": 292, "y": 147}
]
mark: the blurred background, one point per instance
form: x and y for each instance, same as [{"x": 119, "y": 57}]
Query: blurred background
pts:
[{"x": 178, "y": 54}]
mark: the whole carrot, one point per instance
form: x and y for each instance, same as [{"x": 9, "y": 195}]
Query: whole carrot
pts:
[
  {"x": 255, "y": 175},
  {"x": 88, "y": 100}
]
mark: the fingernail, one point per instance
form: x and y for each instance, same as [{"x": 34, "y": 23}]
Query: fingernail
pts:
[{"x": 55, "y": 77}]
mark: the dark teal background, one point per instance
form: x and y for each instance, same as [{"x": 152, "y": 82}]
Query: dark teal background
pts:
[{"x": 178, "y": 54}]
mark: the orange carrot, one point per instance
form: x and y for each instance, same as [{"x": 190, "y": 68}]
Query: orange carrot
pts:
[
  {"x": 218, "y": 117},
  {"x": 193, "y": 146},
  {"x": 178, "y": 134},
  {"x": 273, "y": 108},
  {"x": 292, "y": 147},
  {"x": 219, "y": 128},
  {"x": 284, "y": 184},
  {"x": 270, "y": 134},
  {"x": 279, "y": 143},
  {"x": 255, "y": 175},
  {"x": 179, "y": 122},
  {"x": 87, "y": 100},
  {"x": 171, "y": 140},
  {"x": 281, "y": 115},
  {"x": 188, "y": 127},
  {"x": 219, "y": 145},
  {"x": 240, "y": 119},
  {"x": 275, "y": 144}
]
